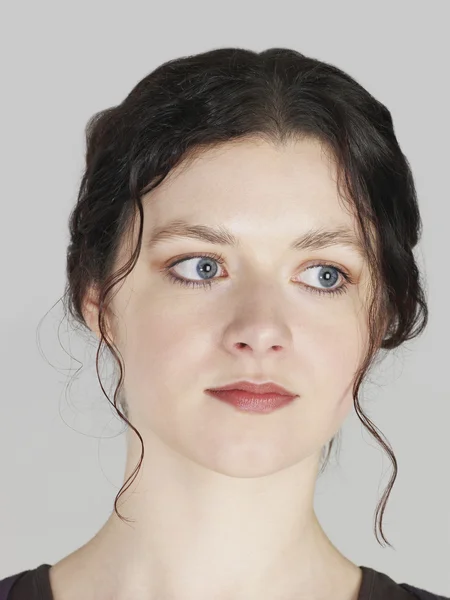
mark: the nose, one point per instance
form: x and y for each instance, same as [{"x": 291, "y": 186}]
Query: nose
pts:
[
  {"x": 260, "y": 325},
  {"x": 258, "y": 339}
]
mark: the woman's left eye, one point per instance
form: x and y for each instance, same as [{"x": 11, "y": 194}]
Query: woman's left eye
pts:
[{"x": 205, "y": 265}]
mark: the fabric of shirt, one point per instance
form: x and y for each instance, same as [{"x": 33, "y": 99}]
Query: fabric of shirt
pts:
[{"x": 34, "y": 584}]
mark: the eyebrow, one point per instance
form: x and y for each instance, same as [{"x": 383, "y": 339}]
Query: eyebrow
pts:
[{"x": 313, "y": 239}]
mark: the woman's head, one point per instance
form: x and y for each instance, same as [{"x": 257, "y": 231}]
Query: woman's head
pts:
[{"x": 265, "y": 148}]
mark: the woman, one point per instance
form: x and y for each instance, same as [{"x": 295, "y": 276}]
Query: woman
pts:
[{"x": 245, "y": 220}]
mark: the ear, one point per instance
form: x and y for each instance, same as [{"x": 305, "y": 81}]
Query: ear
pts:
[
  {"x": 91, "y": 311},
  {"x": 386, "y": 324}
]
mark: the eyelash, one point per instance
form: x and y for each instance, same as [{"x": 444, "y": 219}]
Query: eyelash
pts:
[{"x": 221, "y": 261}]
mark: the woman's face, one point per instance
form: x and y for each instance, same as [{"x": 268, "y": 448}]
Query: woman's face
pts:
[{"x": 259, "y": 320}]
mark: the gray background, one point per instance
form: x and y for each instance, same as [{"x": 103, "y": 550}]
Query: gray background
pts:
[{"x": 62, "y": 451}]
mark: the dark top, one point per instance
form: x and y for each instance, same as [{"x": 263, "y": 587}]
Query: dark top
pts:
[{"x": 34, "y": 584}]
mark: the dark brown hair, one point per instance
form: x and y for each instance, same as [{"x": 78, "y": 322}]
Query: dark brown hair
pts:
[{"x": 190, "y": 104}]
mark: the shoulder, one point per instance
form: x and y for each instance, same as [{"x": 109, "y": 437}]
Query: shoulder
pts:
[
  {"x": 377, "y": 585},
  {"x": 7, "y": 583},
  {"x": 23, "y": 585},
  {"x": 422, "y": 594}
]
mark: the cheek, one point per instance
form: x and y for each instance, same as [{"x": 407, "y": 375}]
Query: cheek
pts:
[
  {"x": 336, "y": 350},
  {"x": 166, "y": 344}
]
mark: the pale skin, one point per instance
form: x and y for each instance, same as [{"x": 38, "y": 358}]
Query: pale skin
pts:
[{"x": 223, "y": 504}]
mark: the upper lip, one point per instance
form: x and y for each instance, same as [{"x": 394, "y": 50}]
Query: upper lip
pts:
[{"x": 256, "y": 388}]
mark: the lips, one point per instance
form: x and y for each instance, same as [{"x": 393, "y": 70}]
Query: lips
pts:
[{"x": 256, "y": 388}]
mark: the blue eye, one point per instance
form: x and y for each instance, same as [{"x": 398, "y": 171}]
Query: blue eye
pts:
[{"x": 206, "y": 267}]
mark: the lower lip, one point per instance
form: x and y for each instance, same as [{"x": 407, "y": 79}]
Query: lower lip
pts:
[{"x": 259, "y": 403}]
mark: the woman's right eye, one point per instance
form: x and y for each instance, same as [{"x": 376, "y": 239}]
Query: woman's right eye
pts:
[{"x": 205, "y": 265}]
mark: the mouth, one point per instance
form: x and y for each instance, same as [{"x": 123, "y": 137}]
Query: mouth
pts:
[
  {"x": 250, "y": 397},
  {"x": 256, "y": 388}
]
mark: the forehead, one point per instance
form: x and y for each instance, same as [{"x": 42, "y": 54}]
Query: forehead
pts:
[
  {"x": 251, "y": 178},
  {"x": 264, "y": 196}
]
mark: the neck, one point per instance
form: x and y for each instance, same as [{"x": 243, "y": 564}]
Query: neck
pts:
[{"x": 200, "y": 534}]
